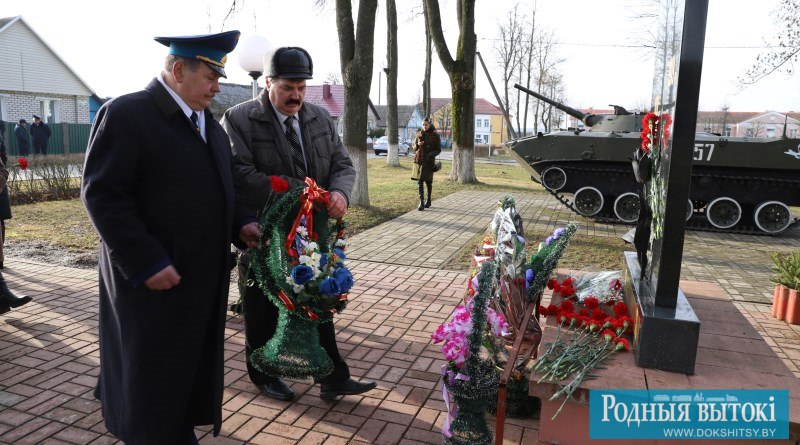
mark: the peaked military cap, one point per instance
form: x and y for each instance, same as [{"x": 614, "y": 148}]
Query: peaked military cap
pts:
[
  {"x": 289, "y": 62},
  {"x": 212, "y": 49}
]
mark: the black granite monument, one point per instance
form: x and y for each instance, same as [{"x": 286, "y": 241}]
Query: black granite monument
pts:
[{"x": 667, "y": 329}]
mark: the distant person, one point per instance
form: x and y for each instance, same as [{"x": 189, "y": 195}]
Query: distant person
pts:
[
  {"x": 7, "y": 298},
  {"x": 3, "y": 146},
  {"x": 40, "y": 134},
  {"x": 279, "y": 134},
  {"x": 427, "y": 145},
  {"x": 23, "y": 137},
  {"x": 5, "y": 202},
  {"x": 157, "y": 186}
]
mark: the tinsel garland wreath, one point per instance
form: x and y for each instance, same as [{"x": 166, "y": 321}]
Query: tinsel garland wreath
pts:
[
  {"x": 475, "y": 384},
  {"x": 294, "y": 351},
  {"x": 519, "y": 403},
  {"x": 545, "y": 260}
]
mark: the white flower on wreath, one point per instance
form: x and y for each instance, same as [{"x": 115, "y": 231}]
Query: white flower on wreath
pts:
[
  {"x": 297, "y": 288},
  {"x": 306, "y": 259},
  {"x": 302, "y": 231},
  {"x": 340, "y": 243},
  {"x": 315, "y": 259}
]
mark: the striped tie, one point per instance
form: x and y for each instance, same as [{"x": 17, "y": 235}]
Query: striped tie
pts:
[
  {"x": 297, "y": 150},
  {"x": 194, "y": 121}
]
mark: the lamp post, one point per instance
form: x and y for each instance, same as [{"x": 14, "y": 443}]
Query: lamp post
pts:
[{"x": 251, "y": 58}]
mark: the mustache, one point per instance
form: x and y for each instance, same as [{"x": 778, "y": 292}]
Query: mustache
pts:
[{"x": 292, "y": 102}]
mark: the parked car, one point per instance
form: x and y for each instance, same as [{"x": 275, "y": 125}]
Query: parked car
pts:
[{"x": 381, "y": 146}]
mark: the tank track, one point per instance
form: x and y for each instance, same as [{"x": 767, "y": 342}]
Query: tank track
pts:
[{"x": 697, "y": 222}]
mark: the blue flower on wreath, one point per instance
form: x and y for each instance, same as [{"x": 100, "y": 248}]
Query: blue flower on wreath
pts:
[
  {"x": 302, "y": 274},
  {"x": 529, "y": 275},
  {"x": 344, "y": 279},
  {"x": 329, "y": 286},
  {"x": 340, "y": 253},
  {"x": 554, "y": 236},
  {"x": 323, "y": 260}
]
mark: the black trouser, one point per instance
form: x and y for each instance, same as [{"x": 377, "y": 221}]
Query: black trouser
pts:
[
  {"x": 260, "y": 321},
  {"x": 422, "y": 191},
  {"x": 40, "y": 149}
]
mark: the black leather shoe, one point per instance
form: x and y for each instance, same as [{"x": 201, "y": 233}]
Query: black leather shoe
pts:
[
  {"x": 277, "y": 390},
  {"x": 349, "y": 387},
  {"x": 11, "y": 300},
  {"x": 4, "y": 309}
]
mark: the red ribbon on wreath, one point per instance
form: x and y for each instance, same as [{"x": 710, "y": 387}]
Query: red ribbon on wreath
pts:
[
  {"x": 311, "y": 193},
  {"x": 286, "y": 301}
]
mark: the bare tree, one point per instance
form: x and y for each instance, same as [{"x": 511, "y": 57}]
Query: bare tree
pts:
[
  {"x": 334, "y": 78},
  {"x": 725, "y": 110},
  {"x": 392, "y": 157},
  {"x": 461, "y": 71},
  {"x": 444, "y": 121},
  {"x": 756, "y": 129},
  {"x": 356, "y": 53},
  {"x": 546, "y": 62},
  {"x": 551, "y": 86},
  {"x": 507, "y": 48},
  {"x": 528, "y": 47},
  {"x": 426, "y": 82},
  {"x": 786, "y": 50}
]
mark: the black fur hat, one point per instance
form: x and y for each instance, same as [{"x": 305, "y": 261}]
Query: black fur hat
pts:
[{"x": 289, "y": 62}]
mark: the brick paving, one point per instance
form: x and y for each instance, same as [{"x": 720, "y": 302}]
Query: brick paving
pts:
[{"x": 49, "y": 351}]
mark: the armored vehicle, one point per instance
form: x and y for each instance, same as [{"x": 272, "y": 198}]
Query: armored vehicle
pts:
[{"x": 738, "y": 184}]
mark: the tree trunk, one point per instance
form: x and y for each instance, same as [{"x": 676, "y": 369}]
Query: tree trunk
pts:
[
  {"x": 462, "y": 84},
  {"x": 426, "y": 82},
  {"x": 356, "y": 58},
  {"x": 392, "y": 157},
  {"x": 360, "y": 193}
]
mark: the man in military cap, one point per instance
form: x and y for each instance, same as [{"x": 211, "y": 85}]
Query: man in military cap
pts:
[
  {"x": 157, "y": 186},
  {"x": 278, "y": 134},
  {"x": 23, "y": 137},
  {"x": 40, "y": 134}
]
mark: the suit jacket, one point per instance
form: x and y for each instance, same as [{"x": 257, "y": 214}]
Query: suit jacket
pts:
[
  {"x": 260, "y": 150},
  {"x": 157, "y": 195}
]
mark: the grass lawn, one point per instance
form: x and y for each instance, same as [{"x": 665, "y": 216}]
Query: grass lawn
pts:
[{"x": 64, "y": 224}]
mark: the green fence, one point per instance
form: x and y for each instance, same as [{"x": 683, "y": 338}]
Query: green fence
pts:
[{"x": 64, "y": 139}]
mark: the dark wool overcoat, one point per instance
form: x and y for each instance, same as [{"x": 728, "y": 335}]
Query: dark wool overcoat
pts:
[
  {"x": 425, "y": 155},
  {"x": 158, "y": 194},
  {"x": 40, "y": 134}
]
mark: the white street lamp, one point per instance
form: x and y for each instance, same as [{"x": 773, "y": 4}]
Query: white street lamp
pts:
[{"x": 251, "y": 57}]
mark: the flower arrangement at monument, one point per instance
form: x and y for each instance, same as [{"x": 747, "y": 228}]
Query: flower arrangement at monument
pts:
[
  {"x": 655, "y": 136},
  {"x": 470, "y": 374},
  {"x": 304, "y": 273},
  {"x": 476, "y": 339},
  {"x": 584, "y": 339}
]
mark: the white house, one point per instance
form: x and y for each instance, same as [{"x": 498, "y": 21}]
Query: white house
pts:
[
  {"x": 409, "y": 120},
  {"x": 35, "y": 80}
]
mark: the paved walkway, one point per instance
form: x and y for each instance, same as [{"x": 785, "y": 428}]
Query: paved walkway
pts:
[{"x": 49, "y": 351}]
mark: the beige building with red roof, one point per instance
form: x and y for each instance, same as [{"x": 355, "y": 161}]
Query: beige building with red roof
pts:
[{"x": 489, "y": 123}]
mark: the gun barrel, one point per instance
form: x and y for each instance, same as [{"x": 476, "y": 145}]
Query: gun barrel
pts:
[{"x": 569, "y": 110}]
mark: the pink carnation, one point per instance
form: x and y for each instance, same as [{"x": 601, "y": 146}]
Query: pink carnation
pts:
[
  {"x": 441, "y": 334},
  {"x": 455, "y": 350},
  {"x": 498, "y": 322}
]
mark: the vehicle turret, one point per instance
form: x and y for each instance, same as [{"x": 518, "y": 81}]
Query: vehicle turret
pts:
[{"x": 621, "y": 121}]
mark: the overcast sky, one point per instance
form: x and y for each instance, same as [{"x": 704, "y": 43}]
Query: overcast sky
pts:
[{"x": 109, "y": 44}]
